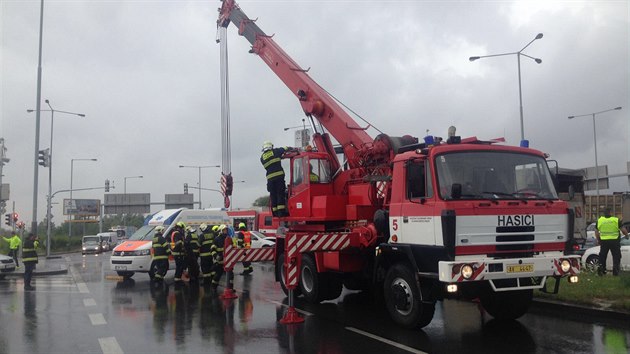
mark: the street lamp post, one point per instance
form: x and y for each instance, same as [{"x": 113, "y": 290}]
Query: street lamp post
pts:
[
  {"x": 125, "y": 182},
  {"x": 595, "y": 145},
  {"x": 199, "y": 181},
  {"x": 50, "y": 156},
  {"x": 518, "y": 56},
  {"x": 71, "y": 175}
]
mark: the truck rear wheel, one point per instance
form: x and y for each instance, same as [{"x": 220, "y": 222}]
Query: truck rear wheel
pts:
[
  {"x": 313, "y": 285},
  {"x": 404, "y": 298},
  {"x": 125, "y": 275},
  {"x": 507, "y": 305}
]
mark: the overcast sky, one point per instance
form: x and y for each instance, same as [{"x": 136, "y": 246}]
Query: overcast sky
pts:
[{"x": 146, "y": 75}]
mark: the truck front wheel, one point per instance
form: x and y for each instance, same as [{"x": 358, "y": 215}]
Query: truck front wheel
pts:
[
  {"x": 507, "y": 305},
  {"x": 282, "y": 277},
  {"x": 313, "y": 285},
  {"x": 404, "y": 298}
]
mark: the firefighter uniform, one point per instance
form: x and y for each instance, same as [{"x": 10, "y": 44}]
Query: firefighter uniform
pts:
[
  {"x": 217, "y": 254},
  {"x": 161, "y": 250},
  {"x": 206, "y": 239},
  {"x": 276, "y": 186},
  {"x": 178, "y": 251},
  {"x": 244, "y": 240},
  {"x": 192, "y": 253},
  {"x": 29, "y": 258}
]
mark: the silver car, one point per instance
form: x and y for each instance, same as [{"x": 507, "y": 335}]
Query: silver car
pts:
[{"x": 7, "y": 265}]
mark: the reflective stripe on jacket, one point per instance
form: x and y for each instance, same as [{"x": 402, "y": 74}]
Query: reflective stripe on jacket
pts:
[
  {"x": 271, "y": 161},
  {"x": 29, "y": 252}
]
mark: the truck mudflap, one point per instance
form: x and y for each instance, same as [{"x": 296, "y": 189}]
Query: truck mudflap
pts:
[{"x": 496, "y": 270}]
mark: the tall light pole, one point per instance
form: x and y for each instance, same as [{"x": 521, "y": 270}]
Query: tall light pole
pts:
[
  {"x": 38, "y": 106},
  {"x": 199, "y": 183},
  {"x": 71, "y": 175},
  {"x": 595, "y": 143},
  {"x": 125, "y": 182},
  {"x": 50, "y": 156},
  {"x": 518, "y": 56}
]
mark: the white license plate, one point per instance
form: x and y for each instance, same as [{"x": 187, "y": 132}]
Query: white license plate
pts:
[{"x": 120, "y": 267}]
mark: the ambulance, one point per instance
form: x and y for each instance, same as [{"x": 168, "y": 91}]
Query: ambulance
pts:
[{"x": 134, "y": 254}]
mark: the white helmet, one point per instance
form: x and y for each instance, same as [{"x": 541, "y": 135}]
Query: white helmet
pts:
[
  {"x": 267, "y": 145},
  {"x": 203, "y": 227},
  {"x": 159, "y": 229}
]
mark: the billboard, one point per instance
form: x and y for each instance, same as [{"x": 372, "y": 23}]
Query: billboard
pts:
[{"x": 82, "y": 207}]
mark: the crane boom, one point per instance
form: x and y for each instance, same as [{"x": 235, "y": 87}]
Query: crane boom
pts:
[{"x": 315, "y": 101}]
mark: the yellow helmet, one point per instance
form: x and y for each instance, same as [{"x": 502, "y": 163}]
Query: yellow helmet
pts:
[
  {"x": 222, "y": 227},
  {"x": 215, "y": 228},
  {"x": 159, "y": 229},
  {"x": 181, "y": 224},
  {"x": 242, "y": 225}
]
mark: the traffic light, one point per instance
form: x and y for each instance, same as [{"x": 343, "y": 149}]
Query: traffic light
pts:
[
  {"x": 106, "y": 185},
  {"x": 44, "y": 157},
  {"x": 7, "y": 218},
  {"x": 185, "y": 188},
  {"x": 16, "y": 217}
]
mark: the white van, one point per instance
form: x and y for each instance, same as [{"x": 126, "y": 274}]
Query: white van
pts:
[
  {"x": 134, "y": 254},
  {"x": 108, "y": 240}
]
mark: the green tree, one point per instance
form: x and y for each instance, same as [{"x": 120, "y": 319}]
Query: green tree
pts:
[{"x": 261, "y": 201}]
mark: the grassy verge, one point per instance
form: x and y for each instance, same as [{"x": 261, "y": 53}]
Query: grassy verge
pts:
[{"x": 593, "y": 290}]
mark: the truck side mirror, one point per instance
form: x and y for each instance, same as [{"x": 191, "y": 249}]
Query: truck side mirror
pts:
[{"x": 456, "y": 190}]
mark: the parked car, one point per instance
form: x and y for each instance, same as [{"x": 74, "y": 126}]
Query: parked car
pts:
[
  {"x": 260, "y": 240},
  {"x": 108, "y": 240},
  {"x": 7, "y": 265},
  {"x": 91, "y": 244},
  {"x": 590, "y": 259}
]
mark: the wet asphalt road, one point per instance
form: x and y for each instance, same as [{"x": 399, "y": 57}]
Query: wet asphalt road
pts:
[{"x": 89, "y": 311}]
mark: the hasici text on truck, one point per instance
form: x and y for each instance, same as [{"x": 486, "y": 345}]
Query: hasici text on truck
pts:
[
  {"x": 134, "y": 255},
  {"x": 416, "y": 222}
]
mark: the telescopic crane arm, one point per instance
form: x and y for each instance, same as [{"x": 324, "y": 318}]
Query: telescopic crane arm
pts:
[{"x": 315, "y": 101}]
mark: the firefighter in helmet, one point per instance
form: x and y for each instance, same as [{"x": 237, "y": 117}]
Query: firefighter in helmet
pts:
[
  {"x": 161, "y": 250},
  {"x": 192, "y": 253},
  {"x": 206, "y": 238},
  {"x": 217, "y": 254},
  {"x": 178, "y": 251},
  {"x": 276, "y": 186},
  {"x": 244, "y": 240}
]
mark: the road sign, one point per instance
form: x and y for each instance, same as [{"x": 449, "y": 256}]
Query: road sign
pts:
[
  {"x": 82, "y": 207},
  {"x": 131, "y": 203},
  {"x": 176, "y": 201}
]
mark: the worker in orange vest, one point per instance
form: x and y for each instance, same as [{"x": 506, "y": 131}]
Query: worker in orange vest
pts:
[{"x": 244, "y": 240}]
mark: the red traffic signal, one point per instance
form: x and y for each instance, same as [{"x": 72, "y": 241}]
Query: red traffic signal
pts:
[{"x": 16, "y": 217}]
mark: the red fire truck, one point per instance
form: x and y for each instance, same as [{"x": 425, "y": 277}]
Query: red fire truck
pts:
[{"x": 412, "y": 221}]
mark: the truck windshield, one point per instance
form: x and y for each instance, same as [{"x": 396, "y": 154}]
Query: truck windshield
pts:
[
  {"x": 143, "y": 233},
  {"x": 493, "y": 175},
  {"x": 91, "y": 239}
]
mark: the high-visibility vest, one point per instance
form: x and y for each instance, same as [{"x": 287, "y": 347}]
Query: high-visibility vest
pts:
[
  {"x": 608, "y": 228},
  {"x": 247, "y": 239}
]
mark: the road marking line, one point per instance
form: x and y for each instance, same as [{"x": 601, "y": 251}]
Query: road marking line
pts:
[
  {"x": 97, "y": 319},
  {"x": 296, "y": 309},
  {"x": 109, "y": 345},
  {"x": 83, "y": 288},
  {"x": 89, "y": 302},
  {"x": 386, "y": 341}
]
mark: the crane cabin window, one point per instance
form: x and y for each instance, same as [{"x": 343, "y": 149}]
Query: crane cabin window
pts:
[
  {"x": 416, "y": 181},
  {"x": 298, "y": 172},
  {"x": 319, "y": 171}
]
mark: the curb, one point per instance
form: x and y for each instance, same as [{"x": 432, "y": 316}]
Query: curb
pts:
[
  {"x": 575, "y": 311},
  {"x": 39, "y": 273}
]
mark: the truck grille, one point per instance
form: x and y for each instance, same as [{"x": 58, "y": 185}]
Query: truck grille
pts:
[{"x": 121, "y": 262}]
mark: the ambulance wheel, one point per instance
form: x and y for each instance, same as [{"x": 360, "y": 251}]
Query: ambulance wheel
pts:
[
  {"x": 313, "y": 285},
  {"x": 125, "y": 275},
  {"x": 404, "y": 298},
  {"x": 507, "y": 305},
  {"x": 281, "y": 276}
]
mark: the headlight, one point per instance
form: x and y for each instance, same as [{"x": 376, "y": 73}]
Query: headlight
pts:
[
  {"x": 84, "y": 248},
  {"x": 467, "y": 271},
  {"x": 565, "y": 265},
  {"x": 141, "y": 252}
]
